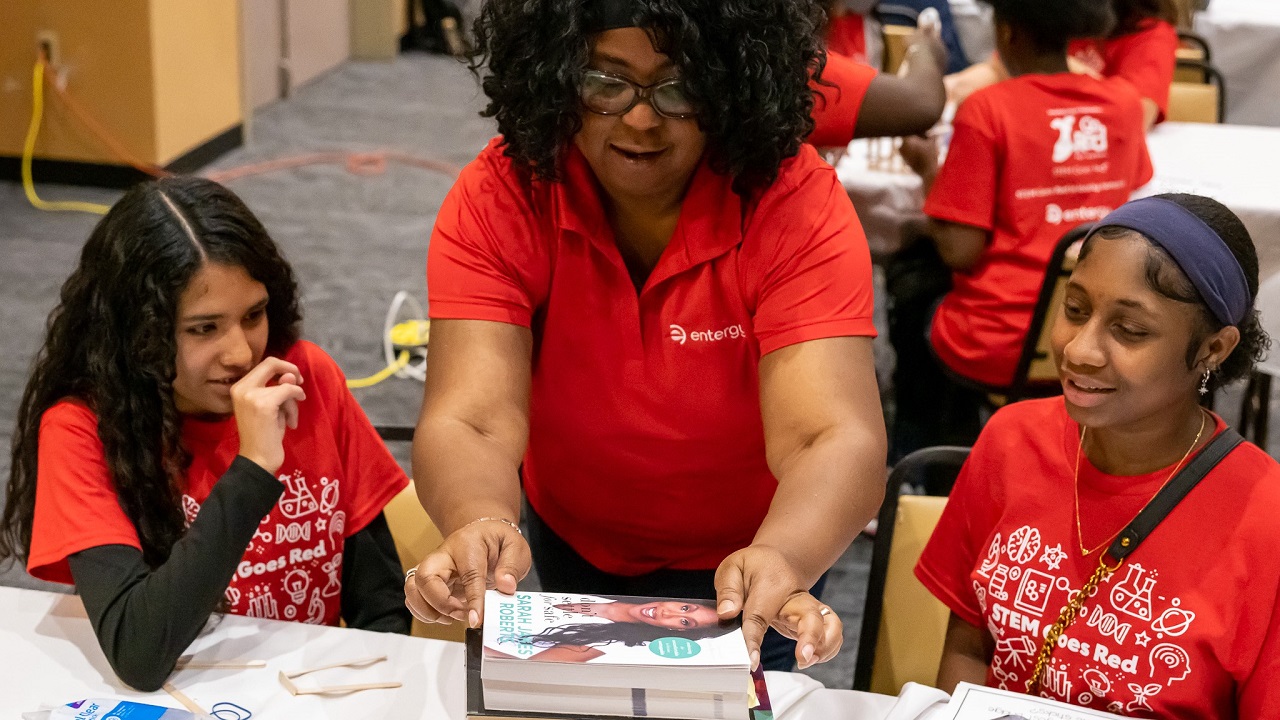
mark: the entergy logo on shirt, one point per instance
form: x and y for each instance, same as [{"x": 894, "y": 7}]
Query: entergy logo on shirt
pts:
[
  {"x": 1083, "y": 140},
  {"x": 680, "y": 336}
]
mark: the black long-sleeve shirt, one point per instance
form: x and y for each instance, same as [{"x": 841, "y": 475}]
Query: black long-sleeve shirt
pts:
[{"x": 146, "y": 617}]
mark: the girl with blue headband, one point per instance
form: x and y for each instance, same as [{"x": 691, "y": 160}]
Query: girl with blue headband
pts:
[{"x": 1073, "y": 567}]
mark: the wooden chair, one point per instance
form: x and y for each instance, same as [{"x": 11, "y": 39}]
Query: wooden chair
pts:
[
  {"x": 1198, "y": 93},
  {"x": 415, "y": 536},
  {"x": 896, "y": 38},
  {"x": 903, "y": 625},
  {"x": 1036, "y": 375}
]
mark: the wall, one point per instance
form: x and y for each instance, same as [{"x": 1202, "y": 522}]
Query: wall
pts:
[
  {"x": 195, "y": 66},
  {"x": 161, "y": 76},
  {"x": 106, "y": 61}
]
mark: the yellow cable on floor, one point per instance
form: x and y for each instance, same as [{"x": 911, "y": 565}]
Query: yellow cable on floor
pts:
[
  {"x": 29, "y": 151},
  {"x": 382, "y": 374}
]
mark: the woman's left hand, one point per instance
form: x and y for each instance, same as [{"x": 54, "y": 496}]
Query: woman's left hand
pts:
[{"x": 759, "y": 582}]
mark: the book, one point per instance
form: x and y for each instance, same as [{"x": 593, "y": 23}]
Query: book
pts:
[
  {"x": 559, "y": 655},
  {"x": 761, "y": 708},
  {"x": 974, "y": 702}
]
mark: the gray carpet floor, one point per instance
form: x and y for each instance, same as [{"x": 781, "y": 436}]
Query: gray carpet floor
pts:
[{"x": 353, "y": 240}]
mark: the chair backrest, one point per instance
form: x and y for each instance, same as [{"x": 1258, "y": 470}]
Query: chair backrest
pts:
[
  {"x": 896, "y": 38},
  {"x": 1036, "y": 370},
  {"x": 415, "y": 535},
  {"x": 904, "y": 644},
  {"x": 1198, "y": 93}
]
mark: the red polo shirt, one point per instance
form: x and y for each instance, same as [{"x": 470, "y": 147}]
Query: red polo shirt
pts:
[{"x": 646, "y": 448}]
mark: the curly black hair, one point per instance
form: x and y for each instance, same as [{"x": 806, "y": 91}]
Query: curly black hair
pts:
[
  {"x": 1165, "y": 278},
  {"x": 1053, "y": 23},
  {"x": 747, "y": 64},
  {"x": 111, "y": 343}
]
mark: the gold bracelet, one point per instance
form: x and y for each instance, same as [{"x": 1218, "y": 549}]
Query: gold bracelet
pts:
[{"x": 502, "y": 520}]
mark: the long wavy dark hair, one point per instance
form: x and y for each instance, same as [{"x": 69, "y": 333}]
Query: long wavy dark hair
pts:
[
  {"x": 747, "y": 64},
  {"x": 111, "y": 343},
  {"x": 630, "y": 634},
  {"x": 1165, "y": 278}
]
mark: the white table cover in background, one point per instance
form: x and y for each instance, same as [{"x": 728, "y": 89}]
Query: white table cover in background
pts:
[
  {"x": 1244, "y": 36},
  {"x": 1236, "y": 165},
  {"x": 49, "y": 656}
]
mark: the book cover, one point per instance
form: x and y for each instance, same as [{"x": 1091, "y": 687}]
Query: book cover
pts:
[
  {"x": 531, "y": 629},
  {"x": 761, "y": 708}
]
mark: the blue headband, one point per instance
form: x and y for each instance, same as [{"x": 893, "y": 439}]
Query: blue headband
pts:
[{"x": 1199, "y": 251}]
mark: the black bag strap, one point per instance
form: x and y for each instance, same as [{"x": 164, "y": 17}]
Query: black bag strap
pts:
[{"x": 1171, "y": 494}]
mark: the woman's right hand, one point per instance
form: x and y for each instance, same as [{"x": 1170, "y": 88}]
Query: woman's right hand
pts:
[
  {"x": 265, "y": 403},
  {"x": 449, "y": 584}
]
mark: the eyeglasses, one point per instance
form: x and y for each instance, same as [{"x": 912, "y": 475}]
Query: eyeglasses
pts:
[{"x": 606, "y": 94}]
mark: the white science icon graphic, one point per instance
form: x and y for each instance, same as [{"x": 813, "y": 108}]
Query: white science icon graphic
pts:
[
  {"x": 1023, "y": 545},
  {"x": 1173, "y": 622},
  {"x": 993, "y": 557},
  {"x": 1133, "y": 596},
  {"x": 298, "y": 500},
  {"x": 296, "y": 583},
  {"x": 1170, "y": 662}
]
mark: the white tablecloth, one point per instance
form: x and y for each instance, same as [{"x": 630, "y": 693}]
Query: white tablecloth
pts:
[
  {"x": 49, "y": 656},
  {"x": 1244, "y": 36},
  {"x": 1236, "y": 165}
]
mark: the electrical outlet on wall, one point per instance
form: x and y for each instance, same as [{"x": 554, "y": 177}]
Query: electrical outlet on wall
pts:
[{"x": 47, "y": 41}]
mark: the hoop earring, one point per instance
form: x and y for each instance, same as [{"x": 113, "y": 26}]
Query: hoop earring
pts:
[{"x": 1204, "y": 382}]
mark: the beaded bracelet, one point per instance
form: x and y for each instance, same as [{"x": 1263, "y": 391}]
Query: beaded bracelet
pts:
[{"x": 502, "y": 520}]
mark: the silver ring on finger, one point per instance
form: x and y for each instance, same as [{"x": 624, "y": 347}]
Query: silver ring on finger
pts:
[
  {"x": 824, "y": 610},
  {"x": 409, "y": 575}
]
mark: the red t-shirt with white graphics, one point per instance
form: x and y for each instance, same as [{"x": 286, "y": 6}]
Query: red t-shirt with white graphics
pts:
[
  {"x": 1030, "y": 158},
  {"x": 1188, "y": 627},
  {"x": 337, "y": 473},
  {"x": 1145, "y": 57},
  {"x": 646, "y": 443}
]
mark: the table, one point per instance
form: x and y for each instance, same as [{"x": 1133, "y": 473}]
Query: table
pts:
[
  {"x": 1234, "y": 164},
  {"x": 51, "y": 656},
  {"x": 1244, "y": 36}
]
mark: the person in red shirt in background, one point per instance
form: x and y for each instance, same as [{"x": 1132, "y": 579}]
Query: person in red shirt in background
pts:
[
  {"x": 652, "y": 304},
  {"x": 855, "y": 100},
  {"x": 168, "y": 460},
  {"x": 1158, "y": 311},
  {"x": 846, "y": 28},
  {"x": 1030, "y": 158},
  {"x": 1141, "y": 48}
]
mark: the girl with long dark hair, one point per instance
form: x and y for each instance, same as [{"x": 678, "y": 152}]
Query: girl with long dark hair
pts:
[{"x": 179, "y": 450}]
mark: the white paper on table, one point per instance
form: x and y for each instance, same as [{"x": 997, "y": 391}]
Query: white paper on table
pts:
[{"x": 973, "y": 702}]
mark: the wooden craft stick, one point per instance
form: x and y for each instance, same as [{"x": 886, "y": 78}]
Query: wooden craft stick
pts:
[
  {"x": 336, "y": 689},
  {"x": 350, "y": 663},
  {"x": 182, "y": 699}
]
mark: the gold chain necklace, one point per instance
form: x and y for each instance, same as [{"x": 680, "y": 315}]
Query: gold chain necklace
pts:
[
  {"x": 1103, "y": 571},
  {"x": 1075, "y": 484}
]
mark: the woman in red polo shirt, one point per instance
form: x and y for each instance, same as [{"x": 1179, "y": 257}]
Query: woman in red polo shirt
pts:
[
  {"x": 652, "y": 302},
  {"x": 1141, "y": 48},
  {"x": 1030, "y": 158}
]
